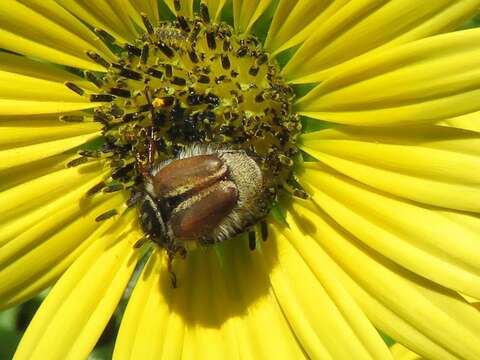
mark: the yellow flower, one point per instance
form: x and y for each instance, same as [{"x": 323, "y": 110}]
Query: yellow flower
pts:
[{"x": 389, "y": 238}]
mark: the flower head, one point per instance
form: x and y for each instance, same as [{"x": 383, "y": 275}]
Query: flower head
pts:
[{"x": 296, "y": 175}]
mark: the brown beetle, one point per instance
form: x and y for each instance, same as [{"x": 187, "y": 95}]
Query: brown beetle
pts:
[{"x": 205, "y": 195}]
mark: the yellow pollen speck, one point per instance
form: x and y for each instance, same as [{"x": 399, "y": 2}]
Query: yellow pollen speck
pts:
[{"x": 158, "y": 102}]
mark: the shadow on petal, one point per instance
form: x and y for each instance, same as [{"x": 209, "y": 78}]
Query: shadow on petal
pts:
[{"x": 214, "y": 285}]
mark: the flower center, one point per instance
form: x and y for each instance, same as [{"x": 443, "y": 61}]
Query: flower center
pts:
[{"x": 191, "y": 82}]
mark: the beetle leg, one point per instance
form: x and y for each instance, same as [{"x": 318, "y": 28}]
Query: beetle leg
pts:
[
  {"x": 264, "y": 230},
  {"x": 252, "y": 240},
  {"x": 206, "y": 241},
  {"x": 151, "y": 148},
  {"x": 134, "y": 198},
  {"x": 145, "y": 167},
  {"x": 181, "y": 251},
  {"x": 173, "y": 277},
  {"x": 172, "y": 250},
  {"x": 295, "y": 191},
  {"x": 151, "y": 133},
  {"x": 142, "y": 169},
  {"x": 140, "y": 242}
]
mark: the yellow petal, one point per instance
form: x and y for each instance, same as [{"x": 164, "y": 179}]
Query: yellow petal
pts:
[
  {"x": 186, "y": 7},
  {"x": 149, "y": 7},
  {"x": 22, "y": 87},
  {"x": 129, "y": 12},
  {"x": 24, "y": 94},
  {"x": 81, "y": 303},
  {"x": 468, "y": 121},
  {"x": 326, "y": 320},
  {"x": 216, "y": 303},
  {"x": 426, "y": 80},
  {"x": 100, "y": 14},
  {"x": 258, "y": 311},
  {"x": 54, "y": 12},
  {"x": 107, "y": 12},
  {"x": 400, "y": 352},
  {"x": 12, "y": 157},
  {"x": 431, "y": 320},
  {"x": 29, "y": 107},
  {"x": 19, "y": 174},
  {"x": 22, "y": 65},
  {"x": 365, "y": 25},
  {"x": 144, "y": 324},
  {"x": 247, "y": 12},
  {"x": 431, "y": 164},
  {"x": 295, "y": 21},
  {"x": 215, "y": 8},
  {"x": 28, "y": 32},
  {"x": 28, "y": 47},
  {"x": 37, "y": 257},
  {"x": 27, "y": 203},
  {"x": 26, "y": 132},
  {"x": 432, "y": 242},
  {"x": 469, "y": 299}
]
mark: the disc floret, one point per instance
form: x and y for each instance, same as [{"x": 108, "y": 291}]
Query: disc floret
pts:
[{"x": 191, "y": 82}]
